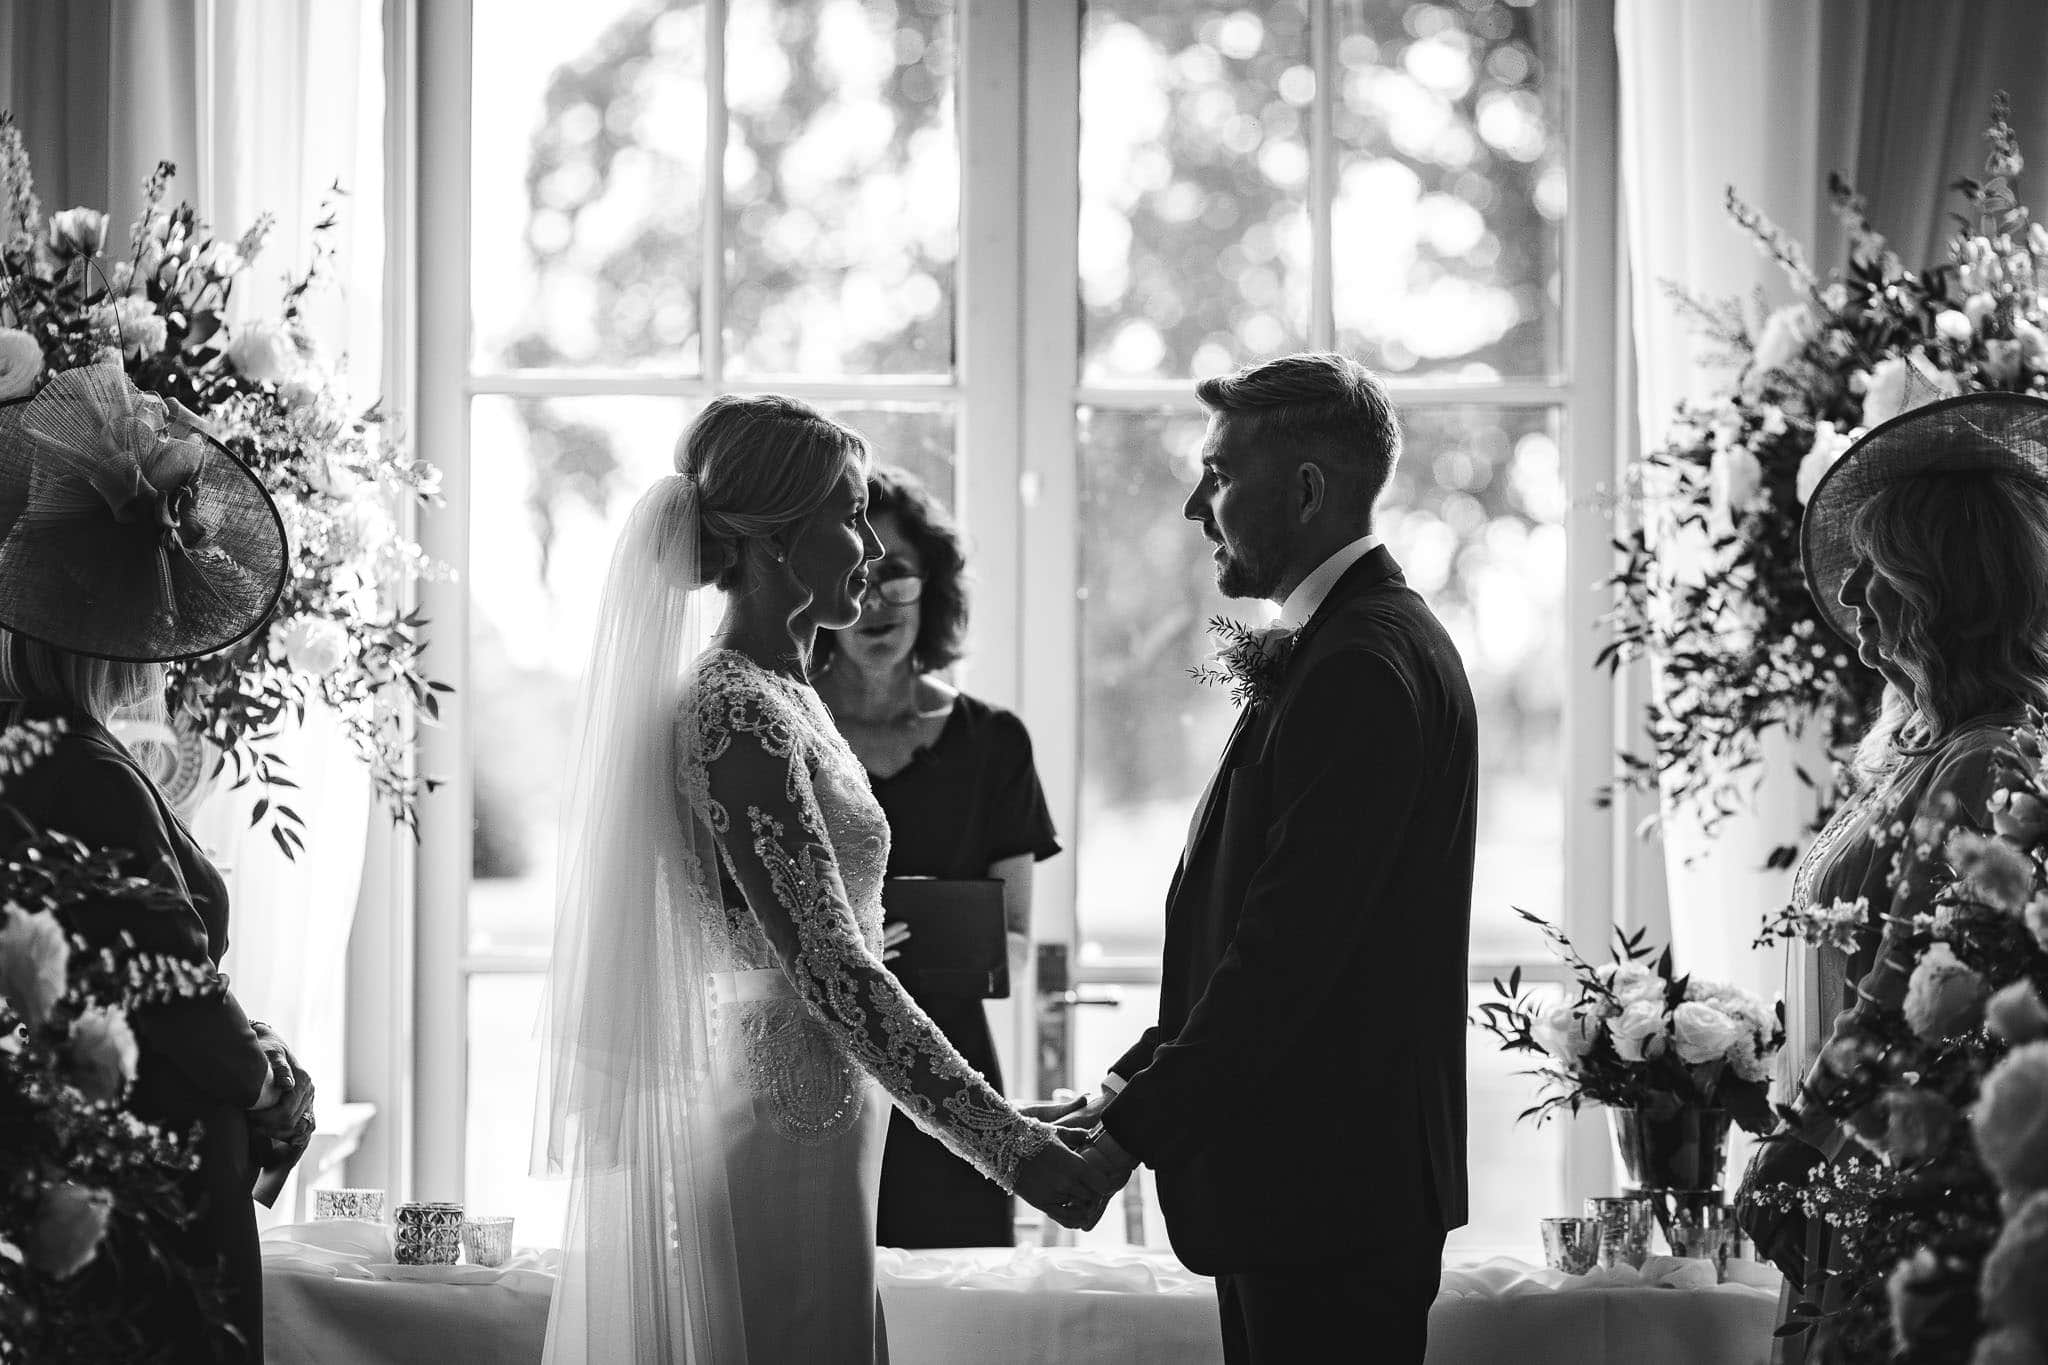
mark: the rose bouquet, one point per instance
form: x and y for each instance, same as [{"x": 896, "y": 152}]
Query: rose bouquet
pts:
[
  {"x": 339, "y": 633},
  {"x": 1944, "y": 1232},
  {"x": 1710, "y": 583},
  {"x": 79, "y": 1166},
  {"x": 1629, "y": 1034}
]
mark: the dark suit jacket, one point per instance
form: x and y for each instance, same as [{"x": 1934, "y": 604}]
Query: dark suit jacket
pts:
[
  {"x": 1302, "y": 1098},
  {"x": 198, "y": 1061}
]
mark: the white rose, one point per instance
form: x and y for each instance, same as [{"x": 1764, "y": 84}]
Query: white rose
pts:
[
  {"x": 1785, "y": 335},
  {"x": 102, "y": 1053},
  {"x": 262, "y": 353},
  {"x": 35, "y": 962},
  {"x": 21, "y": 364},
  {"x": 1979, "y": 307},
  {"x": 78, "y": 232},
  {"x": 314, "y": 644},
  {"x": 1564, "y": 1033},
  {"x": 1702, "y": 1033},
  {"x": 1829, "y": 445},
  {"x": 1884, "y": 390},
  {"x": 1951, "y": 325},
  {"x": 70, "y": 1221},
  {"x": 1733, "y": 481},
  {"x": 1639, "y": 1031},
  {"x": 1631, "y": 981}
]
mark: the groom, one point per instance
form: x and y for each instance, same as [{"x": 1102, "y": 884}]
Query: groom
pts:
[{"x": 1302, "y": 1097}]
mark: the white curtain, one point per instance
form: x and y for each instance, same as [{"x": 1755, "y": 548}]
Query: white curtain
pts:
[
  {"x": 263, "y": 105},
  {"x": 1769, "y": 97}
]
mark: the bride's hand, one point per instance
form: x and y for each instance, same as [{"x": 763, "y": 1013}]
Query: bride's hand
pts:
[{"x": 1065, "y": 1188}]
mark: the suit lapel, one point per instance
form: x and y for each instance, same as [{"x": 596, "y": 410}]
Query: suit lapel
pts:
[{"x": 1373, "y": 568}]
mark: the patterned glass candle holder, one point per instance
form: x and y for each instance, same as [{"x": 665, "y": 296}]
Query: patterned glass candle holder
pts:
[
  {"x": 1571, "y": 1245},
  {"x": 1625, "y": 1222},
  {"x": 363, "y": 1205},
  {"x": 487, "y": 1241},
  {"x": 429, "y": 1234}
]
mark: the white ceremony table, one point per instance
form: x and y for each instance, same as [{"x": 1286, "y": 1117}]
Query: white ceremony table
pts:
[{"x": 332, "y": 1296}]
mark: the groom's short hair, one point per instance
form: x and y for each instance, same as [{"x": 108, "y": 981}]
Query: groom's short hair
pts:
[{"x": 1326, "y": 405}]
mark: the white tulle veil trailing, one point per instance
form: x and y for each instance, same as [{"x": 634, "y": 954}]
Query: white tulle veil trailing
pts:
[{"x": 628, "y": 1107}]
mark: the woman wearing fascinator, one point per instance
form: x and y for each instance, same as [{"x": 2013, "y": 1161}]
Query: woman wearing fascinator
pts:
[
  {"x": 129, "y": 538},
  {"x": 1926, "y": 545},
  {"x": 724, "y": 1041}
]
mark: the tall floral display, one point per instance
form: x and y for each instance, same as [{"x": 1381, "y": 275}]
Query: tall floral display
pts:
[
  {"x": 69, "y": 294},
  {"x": 78, "y": 1167},
  {"x": 1710, "y": 583},
  {"x": 1944, "y": 1230}
]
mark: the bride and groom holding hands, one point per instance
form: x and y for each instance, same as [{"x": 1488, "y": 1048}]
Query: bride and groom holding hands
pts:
[{"x": 725, "y": 1044}]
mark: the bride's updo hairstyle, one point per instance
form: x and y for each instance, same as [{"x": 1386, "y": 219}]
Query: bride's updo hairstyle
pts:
[
  {"x": 761, "y": 463},
  {"x": 1967, "y": 553}
]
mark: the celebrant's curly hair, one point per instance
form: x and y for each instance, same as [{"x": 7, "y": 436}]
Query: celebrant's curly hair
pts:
[
  {"x": 1967, "y": 554},
  {"x": 761, "y": 463},
  {"x": 942, "y": 609},
  {"x": 1323, "y": 404}
]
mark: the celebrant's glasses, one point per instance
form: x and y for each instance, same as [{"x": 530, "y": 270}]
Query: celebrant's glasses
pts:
[{"x": 898, "y": 589}]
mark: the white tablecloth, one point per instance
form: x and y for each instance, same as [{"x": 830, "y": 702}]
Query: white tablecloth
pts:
[{"x": 331, "y": 1295}]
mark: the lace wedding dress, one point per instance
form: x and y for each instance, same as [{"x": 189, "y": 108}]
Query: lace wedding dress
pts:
[{"x": 808, "y": 1027}]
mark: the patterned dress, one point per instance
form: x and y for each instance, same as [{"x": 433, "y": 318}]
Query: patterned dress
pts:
[
  {"x": 811, "y": 1026},
  {"x": 1868, "y": 855}
]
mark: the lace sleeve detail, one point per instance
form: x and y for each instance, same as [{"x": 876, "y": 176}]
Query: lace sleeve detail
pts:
[{"x": 784, "y": 865}]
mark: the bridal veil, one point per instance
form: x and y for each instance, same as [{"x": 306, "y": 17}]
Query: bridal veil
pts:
[{"x": 628, "y": 1108}]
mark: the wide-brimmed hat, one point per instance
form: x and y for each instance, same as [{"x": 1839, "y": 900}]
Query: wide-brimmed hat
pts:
[
  {"x": 126, "y": 530},
  {"x": 2004, "y": 433}
]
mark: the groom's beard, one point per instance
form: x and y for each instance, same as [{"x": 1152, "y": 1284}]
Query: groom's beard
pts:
[{"x": 1248, "y": 569}]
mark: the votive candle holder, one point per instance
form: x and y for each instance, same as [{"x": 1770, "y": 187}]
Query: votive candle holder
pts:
[
  {"x": 364, "y": 1205},
  {"x": 1625, "y": 1221},
  {"x": 428, "y": 1234},
  {"x": 487, "y": 1240},
  {"x": 1571, "y": 1245}
]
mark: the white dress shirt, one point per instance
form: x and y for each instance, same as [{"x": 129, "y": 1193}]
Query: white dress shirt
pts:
[{"x": 1310, "y": 592}]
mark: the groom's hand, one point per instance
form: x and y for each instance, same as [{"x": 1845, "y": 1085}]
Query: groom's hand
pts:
[{"x": 1088, "y": 1113}]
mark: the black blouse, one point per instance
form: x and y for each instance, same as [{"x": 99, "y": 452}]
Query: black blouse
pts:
[{"x": 968, "y": 799}]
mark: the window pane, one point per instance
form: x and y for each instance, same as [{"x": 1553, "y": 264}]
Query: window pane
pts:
[
  {"x": 503, "y": 1079},
  {"x": 1194, "y": 148},
  {"x": 1516, "y": 1170},
  {"x": 1450, "y": 192},
  {"x": 587, "y": 183},
  {"x": 554, "y": 479},
  {"x": 1475, "y": 516},
  {"x": 842, "y": 173},
  {"x": 918, "y": 437}
]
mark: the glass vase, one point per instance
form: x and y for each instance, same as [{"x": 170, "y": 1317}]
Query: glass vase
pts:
[{"x": 1675, "y": 1148}]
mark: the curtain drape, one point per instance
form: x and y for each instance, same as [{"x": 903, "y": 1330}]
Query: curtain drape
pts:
[
  {"x": 1769, "y": 97},
  {"x": 263, "y": 105}
]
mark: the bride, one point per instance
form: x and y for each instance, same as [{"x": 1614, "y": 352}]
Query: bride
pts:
[{"x": 720, "y": 1029}]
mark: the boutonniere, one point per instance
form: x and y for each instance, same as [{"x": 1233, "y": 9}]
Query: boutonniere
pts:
[{"x": 1249, "y": 659}]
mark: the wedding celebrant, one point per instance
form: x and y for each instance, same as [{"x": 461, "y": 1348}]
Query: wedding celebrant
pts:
[
  {"x": 128, "y": 538},
  {"x": 721, "y": 1030},
  {"x": 1926, "y": 545},
  {"x": 955, "y": 778},
  {"x": 1302, "y": 1096}
]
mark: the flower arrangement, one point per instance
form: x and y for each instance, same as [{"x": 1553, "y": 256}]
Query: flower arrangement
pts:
[
  {"x": 1629, "y": 1034},
  {"x": 79, "y": 1165},
  {"x": 339, "y": 633},
  {"x": 1944, "y": 1230},
  {"x": 1248, "y": 659},
  {"x": 1710, "y": 583}
]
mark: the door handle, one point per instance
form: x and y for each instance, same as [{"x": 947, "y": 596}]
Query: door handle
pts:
[{"x": 1061, "y": 1000}]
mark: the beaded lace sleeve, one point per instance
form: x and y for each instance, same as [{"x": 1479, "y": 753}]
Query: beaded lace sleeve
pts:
[{"x": 773, "y": 838}]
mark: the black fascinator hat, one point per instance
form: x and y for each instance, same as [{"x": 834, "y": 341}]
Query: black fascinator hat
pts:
[{"x": 126, "y": 530}]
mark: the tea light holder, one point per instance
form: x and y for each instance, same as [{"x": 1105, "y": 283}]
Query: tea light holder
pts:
[
  {"x": 428, "y": 1234},
  {"x": 1571, "y": 1245},
  {"x": 1702, "y": 1227},
  {"x": 487, "y": 1240},
  {"x": 364, "y": 1205},
  {"x": 1624, "y": 1221}
]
